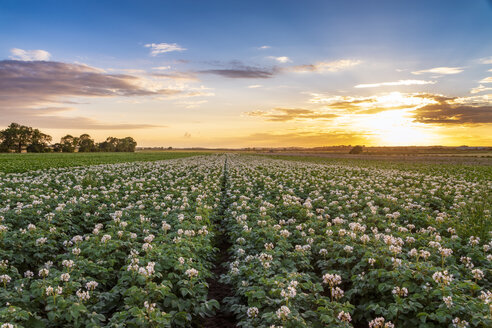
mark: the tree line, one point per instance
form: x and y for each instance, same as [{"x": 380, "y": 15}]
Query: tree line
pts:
[{"x": 16, "y": 138}]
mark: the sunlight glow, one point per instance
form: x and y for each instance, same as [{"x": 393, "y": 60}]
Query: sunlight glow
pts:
[{"x": 396, "y": 128}]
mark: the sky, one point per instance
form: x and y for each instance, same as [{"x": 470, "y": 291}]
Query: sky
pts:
[{"x": 250, "y": 73}]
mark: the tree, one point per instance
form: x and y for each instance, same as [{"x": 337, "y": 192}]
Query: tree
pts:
[
  {"x": 39, "y": 142},
  {"x": 69, "y": 143},
  {"x": 356, "y": 150},
  {"x": 86, "y": 144},
  {"x": 15, "y": 137},
  {"x": 127, "y": 144},
  {"x": 57, "y": 147},
  {"x": 109, "y": 145}
]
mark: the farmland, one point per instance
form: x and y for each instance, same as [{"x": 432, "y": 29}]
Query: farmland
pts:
[
  {"x": 32, "y": 161},
  {"x": 307, "y": 243}
]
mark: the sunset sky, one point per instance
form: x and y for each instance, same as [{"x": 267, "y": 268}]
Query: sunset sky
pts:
[{"x": 250, "y": 73}]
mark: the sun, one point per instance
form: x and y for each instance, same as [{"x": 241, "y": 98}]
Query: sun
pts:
[{"x": 396, "y": 127}]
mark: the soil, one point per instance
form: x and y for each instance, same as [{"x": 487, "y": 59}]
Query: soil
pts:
[{"x": 219, "y": 291}]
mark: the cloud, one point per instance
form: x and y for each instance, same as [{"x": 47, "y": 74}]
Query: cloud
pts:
[
  {"x": 28, "y": 91},
  {"x": 162, "y": 48},
  {"x": 325, "y": 66},
  {"x": 454, "y": 114},
  {"x": 289, "y": 114},
  {"x": 29, "y": 55},
  {"x": 25, "y": 82},
  {"x": 487, "y": 60},
  {"x": 46, "y": 117},
  {"x": 264, "y": 47},
  {"x": 400, "y": 82},
  {"x": 440, "y": 70},
  {"x": 177, "y": 76},
  {"x": 191, "y": 103},
  {"x": 453, "y": 110},
  {"x": 480, "y": 88},
  {"x": 254, "y": 86},
  {"x": 486, "y": 80},
  {"x": 296, "y": 138},
  {"x": 371, "y": 104},
  {"x": 162, "y": 68},
  {"x": 238, "y": 70},
  {"x": 282, "y": 59}
]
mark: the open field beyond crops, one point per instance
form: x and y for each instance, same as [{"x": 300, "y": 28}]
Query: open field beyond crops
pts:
[{"x": 246, "y": 241}]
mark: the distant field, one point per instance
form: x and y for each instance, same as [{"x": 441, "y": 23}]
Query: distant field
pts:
[
  {"x": 26, "y": 162},
  {"x": 414, "y": 159}
]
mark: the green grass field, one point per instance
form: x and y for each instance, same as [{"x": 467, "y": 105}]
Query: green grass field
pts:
[{"x": 10, "y": 163}]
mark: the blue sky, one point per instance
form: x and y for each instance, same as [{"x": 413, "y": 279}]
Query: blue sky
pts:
[{"x": 347, "y": 43}]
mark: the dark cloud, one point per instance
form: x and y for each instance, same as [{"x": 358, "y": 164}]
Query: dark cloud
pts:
[
  {"x": 290, "y": 114},
  {"x": 241, "y": 73},
  {"x": 237, "y": 70},
  {"x": 446, "y": 113}
]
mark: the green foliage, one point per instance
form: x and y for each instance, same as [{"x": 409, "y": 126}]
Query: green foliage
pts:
[
  {"x": 27, "y": 162},
  {"x": 16, "y": 137},
  {"x": 356, "y": 150}
]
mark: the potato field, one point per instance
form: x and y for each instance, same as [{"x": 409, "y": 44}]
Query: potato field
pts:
[{"x": 304, "y": 245}]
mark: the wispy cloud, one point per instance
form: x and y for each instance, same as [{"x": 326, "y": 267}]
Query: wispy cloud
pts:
[
  {"x": 29, "y": 55},
  {"x": 162, "y": 48},
  {"x": 325, "y": 66},
  {"x": 480, "y": 88},
  {"x": 395, "y": 83},
  {"x": 487, "y": 60},
  {"x": 264, "y": 47},
  {"x": 238, "y": 70},
  {"x": 188, "y": 76},
  {"x": 306, "y": 138},
  {"x": 289, "y": 114},
  {"x": 486, "y": 80},
  {"x": 370, "y": 104},
  {"x": 254, "y": 86},
  {"x": 281, "y": 59},
  {"x": 161, "y": 68},
  {"x": 440, "y": 70},
  {"x": 50, "y": 118},
  {"x": 191, "y": 103}
]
